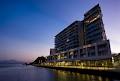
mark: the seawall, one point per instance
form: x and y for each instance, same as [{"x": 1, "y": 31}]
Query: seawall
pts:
[{"x": 111, "y": 73}]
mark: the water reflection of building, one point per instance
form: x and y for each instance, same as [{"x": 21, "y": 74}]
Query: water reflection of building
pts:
[
  {"x": 82, "y": 43},
  {"x": 74, "y": 76}
]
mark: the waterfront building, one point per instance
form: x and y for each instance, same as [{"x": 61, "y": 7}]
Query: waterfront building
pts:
[
  {"x": 82, "y": 43},
  {"x": 116, "y": 59},
  {"x": 52, "y": 51},
  {"x": 39, "y": 60}
]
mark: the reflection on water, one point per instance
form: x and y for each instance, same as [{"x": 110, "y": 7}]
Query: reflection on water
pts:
[
  {"x": 31, "y": 73},
  {"x": 72, "y": 76}
]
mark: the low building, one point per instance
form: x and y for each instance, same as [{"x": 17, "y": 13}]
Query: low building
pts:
[
  {"x": 52, "y": 51},
  {"x": 116, "y": 59},
  {"x": 40, "y": 60}
]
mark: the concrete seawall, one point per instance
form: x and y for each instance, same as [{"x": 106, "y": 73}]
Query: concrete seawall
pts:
[{"x": 111, "y": 73}]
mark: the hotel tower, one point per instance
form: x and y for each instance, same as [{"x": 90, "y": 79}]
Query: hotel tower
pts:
[{"x": 82, "y": 43}]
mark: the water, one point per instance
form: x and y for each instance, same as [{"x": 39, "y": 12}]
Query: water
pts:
[{"x": 31, "y": 73}]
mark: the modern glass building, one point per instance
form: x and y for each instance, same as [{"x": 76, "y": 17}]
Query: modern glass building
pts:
[{"x": 82, "y": 43}]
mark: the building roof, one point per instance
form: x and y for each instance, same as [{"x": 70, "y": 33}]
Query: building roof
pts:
[
  {"x": 67, "y": 27},
  {"x": 95, "y": 7}
]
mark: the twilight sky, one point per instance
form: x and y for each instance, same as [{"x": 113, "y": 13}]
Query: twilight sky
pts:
[{"x": 28, "y": 27}]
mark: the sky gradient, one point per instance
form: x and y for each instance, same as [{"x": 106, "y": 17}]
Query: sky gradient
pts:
[{"x": 28, "y": 27}]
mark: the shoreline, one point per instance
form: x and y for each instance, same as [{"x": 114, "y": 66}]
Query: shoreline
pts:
[{"x": 105, "y": 73}]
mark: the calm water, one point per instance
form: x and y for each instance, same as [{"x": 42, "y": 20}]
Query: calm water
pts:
[{"x": 31, "y": 73}]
